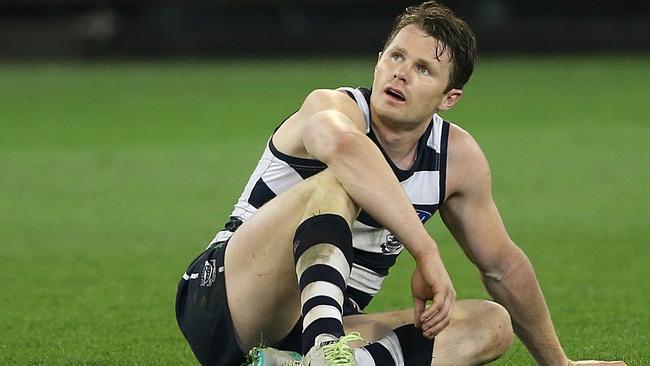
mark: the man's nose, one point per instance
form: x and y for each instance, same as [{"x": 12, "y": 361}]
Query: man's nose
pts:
[{"x": 400, "y": 74}]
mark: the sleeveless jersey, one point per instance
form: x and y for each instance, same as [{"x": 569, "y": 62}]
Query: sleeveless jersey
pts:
[{"x": 375, "y": 248}]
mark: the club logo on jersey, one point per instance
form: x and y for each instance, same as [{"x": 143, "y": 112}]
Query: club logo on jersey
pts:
[
  {"x": 391, "y": 245},
  {"x": 209, "y": 273}
]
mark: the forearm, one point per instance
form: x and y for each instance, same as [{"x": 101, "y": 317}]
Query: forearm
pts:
[
  {"x": 366, "y": 176},
  {"x": 370, "y": 182},
  {"x": 518, "y": 291}
]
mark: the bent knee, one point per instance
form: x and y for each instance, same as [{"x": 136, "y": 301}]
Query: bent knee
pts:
[
  {"x": 327, "y": 195},
  {"x": 497, "y": 328}
]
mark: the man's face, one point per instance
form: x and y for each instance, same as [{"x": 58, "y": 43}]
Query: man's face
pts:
[{"x": 410, "y": 83}]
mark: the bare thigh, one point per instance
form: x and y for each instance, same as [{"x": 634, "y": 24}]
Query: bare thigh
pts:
[
  {"x": 479, "y": 331},
  {"x": 261, "y": 283}
]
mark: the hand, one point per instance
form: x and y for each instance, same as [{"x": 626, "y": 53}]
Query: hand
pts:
[
  {"x": 434, "y": 318},
  {"x": 596, "y": 363}
]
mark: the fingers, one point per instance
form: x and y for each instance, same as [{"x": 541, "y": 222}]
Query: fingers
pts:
[
  {"x": 418, "y": 308},
  {"x": 438, "y": 315}
]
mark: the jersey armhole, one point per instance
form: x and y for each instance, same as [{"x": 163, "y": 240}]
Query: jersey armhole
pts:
[
  {"x": 444, "y": 141},
  {"x": 361, "y": 102}
]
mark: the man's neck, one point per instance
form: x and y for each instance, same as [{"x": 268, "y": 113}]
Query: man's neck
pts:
[{"x": 399, "y": 143}]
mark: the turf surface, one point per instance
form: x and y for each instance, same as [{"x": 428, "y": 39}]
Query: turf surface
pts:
[{"x": 114, "y": 176}]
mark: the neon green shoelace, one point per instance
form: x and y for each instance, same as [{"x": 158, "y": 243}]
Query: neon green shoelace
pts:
[{"x": 340, "y": 353}]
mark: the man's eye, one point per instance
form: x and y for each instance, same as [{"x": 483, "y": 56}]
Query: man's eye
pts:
[
  {"x": 423, "y": 70},
  {"x": 397, "y": 57}
]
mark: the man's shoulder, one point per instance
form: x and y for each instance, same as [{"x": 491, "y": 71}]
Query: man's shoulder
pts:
[
  {"x": 327, "y": 99},
  {"x": 343, "y": 92},
  {"x": 461, "y": 143},
  {"x": 466, "y": 162},
  {"x": 321, "y": 106},
  {"x": 327, "y": 94},
  {"x": 331, "y": 100}
]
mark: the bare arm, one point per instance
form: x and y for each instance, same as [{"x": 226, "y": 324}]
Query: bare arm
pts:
[
  {"x": 474, "y": 221},
  {"x": 330, "y": 127}
]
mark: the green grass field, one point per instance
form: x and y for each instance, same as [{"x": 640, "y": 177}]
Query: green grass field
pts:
[{"x": 114, "y": 176}]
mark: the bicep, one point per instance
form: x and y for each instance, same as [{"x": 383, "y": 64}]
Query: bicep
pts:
[
  {"x": 470, "y": 213},
  {"x": 478, "y": 228}
]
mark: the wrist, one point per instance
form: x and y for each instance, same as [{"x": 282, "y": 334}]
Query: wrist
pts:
[
  {"x": 559, "y": 360},
  {"x": 428, "y": 259},
  {"x": 430, "y": 266},
  {"x": 423, "y": 249}
]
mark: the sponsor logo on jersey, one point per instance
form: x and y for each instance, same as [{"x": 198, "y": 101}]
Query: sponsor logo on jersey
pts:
[{"x": 423, "y": 215}]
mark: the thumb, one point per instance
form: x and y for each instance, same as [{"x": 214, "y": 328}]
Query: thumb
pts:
[{"x": 418, "y": 308}]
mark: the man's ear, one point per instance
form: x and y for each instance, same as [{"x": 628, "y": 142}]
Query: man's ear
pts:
[
  {"x": 378, "y": 58},
  {"x": 450, "y": 99}
]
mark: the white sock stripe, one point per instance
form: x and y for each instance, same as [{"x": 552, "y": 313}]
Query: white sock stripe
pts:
[
  {"x": 324, "y": 253},
  {"x": 319, "y": 312},
  {"x": 321, "y": 288},
  {"x": 363, "y": 357},
  {"x": 391, "y": 342},
  {"x": 365, "y": 279}
]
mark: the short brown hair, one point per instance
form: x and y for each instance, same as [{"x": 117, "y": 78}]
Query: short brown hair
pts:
[{"x": 441, "y": 23}]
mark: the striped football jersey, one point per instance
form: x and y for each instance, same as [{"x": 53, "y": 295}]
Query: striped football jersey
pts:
[{"x": 375, "y": 248}]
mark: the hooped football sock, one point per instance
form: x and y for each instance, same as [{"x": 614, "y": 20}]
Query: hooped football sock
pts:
[
  {"x": 404, "y": 346},
  {"x": 323, "y": 255}
]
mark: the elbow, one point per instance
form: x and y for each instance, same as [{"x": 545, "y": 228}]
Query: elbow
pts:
[
  {"x": 329, "y": 136},
  {"x": 344, "y": 143},
  {"x": 508, "y": 263}
]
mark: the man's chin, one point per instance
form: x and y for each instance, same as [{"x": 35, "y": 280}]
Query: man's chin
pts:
[{"x": 393, "y": 117}]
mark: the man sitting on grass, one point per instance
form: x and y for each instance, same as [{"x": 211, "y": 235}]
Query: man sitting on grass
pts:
[{"x": 342, "y": 188}]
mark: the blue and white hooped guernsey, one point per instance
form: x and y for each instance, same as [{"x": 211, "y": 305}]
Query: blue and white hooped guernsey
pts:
[{"x": 375, "y": 248}]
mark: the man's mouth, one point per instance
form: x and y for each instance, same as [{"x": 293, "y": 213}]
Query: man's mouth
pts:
[{"x": 395, "y": 94}]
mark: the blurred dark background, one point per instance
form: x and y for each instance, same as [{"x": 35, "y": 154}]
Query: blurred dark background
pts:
[{"x": 96, "y": 29}]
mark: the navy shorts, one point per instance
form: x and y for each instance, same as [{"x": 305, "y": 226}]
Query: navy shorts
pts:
[
  {"x": 203, "y": 314},
  {"x": 202, "y": 310}
]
